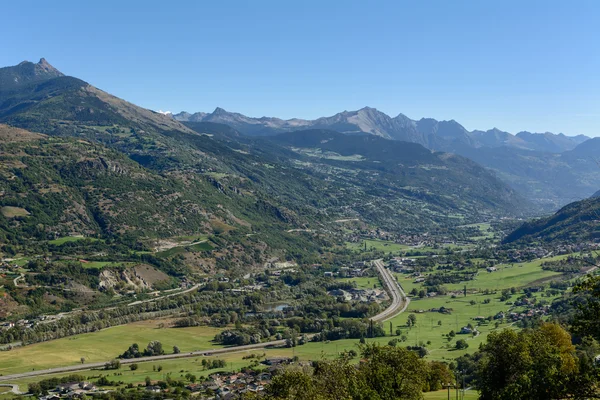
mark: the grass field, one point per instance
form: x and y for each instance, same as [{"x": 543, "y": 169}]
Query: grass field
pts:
[
  {"x": 427, "y": 328},
  {"x": 12, "y": 212},
  {"x": 202, "y": 246},
  {"x": 179, "y": 367},
  {"x": 103, "y": 345},
  {"x": 382, "y": 245},
  {"x": 507, "y": 276},
  {"x": 364, "y": 282},
  {"x": 66, "y": 239},
  {"x": 104, "y": 264}
]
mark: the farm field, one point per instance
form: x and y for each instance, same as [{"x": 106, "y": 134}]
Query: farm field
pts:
[
  {"x": 382, "y": 245},
  {"x": 428, "y": 328},
  {"x": 507, "y": 276},
  {"x": 104, "y": 345},
  {"x": 66, "y": 239},
  {"x": 11, "y": 212},
  {"x": 179, "y": 367},
  {"x": 364, "y": 282},
  {"x": 103, "y": 264}
]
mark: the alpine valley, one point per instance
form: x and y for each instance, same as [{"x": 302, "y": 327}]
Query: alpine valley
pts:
[{"x": 151, "y": 256}]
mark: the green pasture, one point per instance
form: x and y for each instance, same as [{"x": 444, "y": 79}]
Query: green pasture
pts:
[
  {"x": 103, "y": 345},
  {"x": 380, "y": 245},
  {"x": 364, "y": 282},
  {"x": 66, "y": 239}
]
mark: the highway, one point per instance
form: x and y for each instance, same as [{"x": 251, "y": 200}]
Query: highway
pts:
[
  {"x": 84, "y": 367},
  {"x": 399, "y": 304},
  {"x": 399, "y": 299}
]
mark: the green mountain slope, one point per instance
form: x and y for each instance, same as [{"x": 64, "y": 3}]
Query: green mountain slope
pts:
[
  {"x": 548, "y": 179},
  {"x": 575, "y": 222},
  {"x": 400, "y": 183},
  {"x": 183, "y": 176}
]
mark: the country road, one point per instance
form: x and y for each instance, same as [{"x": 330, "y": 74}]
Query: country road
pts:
[
  {"x": 14, "y": 389},
  {"x": 399, "y": 304},
  {"x": 399, "y": 299}
]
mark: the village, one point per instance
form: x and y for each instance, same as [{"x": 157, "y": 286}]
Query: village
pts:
[{"x": 218, "y": 385}]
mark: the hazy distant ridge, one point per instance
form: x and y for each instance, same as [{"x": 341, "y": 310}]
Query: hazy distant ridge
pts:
[{"x": 431, "y": 133}]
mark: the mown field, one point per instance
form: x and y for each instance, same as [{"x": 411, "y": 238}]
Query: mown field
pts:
[
  {"x": 381, "y": 245},
  {"x": 510, "y": 275},
  {"x": 364, "y": 282},
  {"x": 67, "y": 239},
  {"x": 104, "y": 345}
]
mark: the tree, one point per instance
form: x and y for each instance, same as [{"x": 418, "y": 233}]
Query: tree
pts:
[
  {"x": 35, "y": 389},
  {"x": 530, "y": 364},
  {"x": 292, "y": 385},
  {"x": 82, "y": 359},
  {"x": 148, "y": 381},
  {"x": 133, "y": 367},
  {"x": 132, "y": 352},
  {"x": 585, "y": 322},
  {"x": 176, "y": 350},
  {"x": 412, "y": 320},
  {"x": 421, "y": 293},
  {"x": 461, "y": 344},
  {"x": 113, "y": 364},
  {"x": 392, "y": 372},
  {"x": 154, "y": 348},
  {"x": 385, "y": 373},
  {"x": 438, "y": 376}
]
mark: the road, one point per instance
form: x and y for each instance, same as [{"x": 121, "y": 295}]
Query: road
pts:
[
  {"x": 13, "y": 388},
  {"x": 399, "y": 304},
  {"x": 135, "y": 303},
  {"x": 399, "y": 299},
  {"x": 17, "y": 279},
  {"x": 83, "y": 367}
]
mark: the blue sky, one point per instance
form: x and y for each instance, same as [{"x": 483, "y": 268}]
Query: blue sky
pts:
[{"x": 515, "y": 65}]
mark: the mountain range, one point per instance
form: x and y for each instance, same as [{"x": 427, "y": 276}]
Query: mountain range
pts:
[
  {"x": 549, "y": 169},
  {"x": 100, "y": 166},
  {"x": 431, "y": 133}
]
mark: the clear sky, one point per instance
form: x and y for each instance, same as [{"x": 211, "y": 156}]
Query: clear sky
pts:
[{"x": 515, "y": 65}]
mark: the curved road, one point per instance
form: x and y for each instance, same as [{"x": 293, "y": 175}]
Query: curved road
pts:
[
  {"x": 399, "y": 299},
  {"x": 399, "y": 305}
]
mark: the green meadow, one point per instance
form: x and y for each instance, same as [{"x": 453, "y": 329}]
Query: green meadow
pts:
[
  {"x": 364, "y": 282},
  {"x": 104, "y": 345},
  {"x": 381, "y": 245},
  {"x": 66, "y": 239}
]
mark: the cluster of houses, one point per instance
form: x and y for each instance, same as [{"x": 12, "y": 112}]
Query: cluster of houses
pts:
[
  {"x": 527, "y": 254},
  {"x": 416, "y": 241},
  {"x": 220, "y": 385},
  {"x": 71, "y": 390},
  {"x": 403, "y": 264},
  {"x": 358, "y": 269},
  {"x": 362, "y": 295},
  {"x": 232, "y": 386},
  {"x": 22, "y": 323},
  {"x": 7, "y": 266}
]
